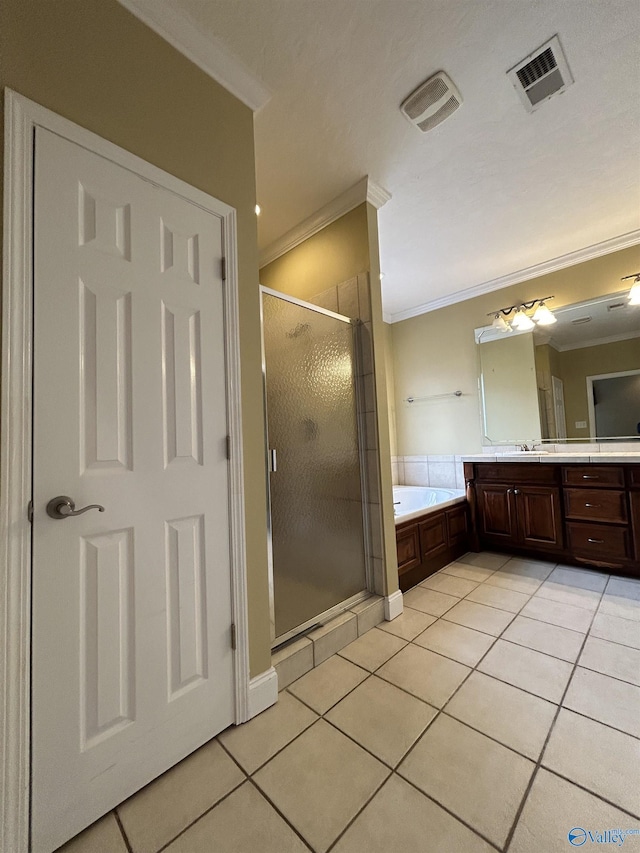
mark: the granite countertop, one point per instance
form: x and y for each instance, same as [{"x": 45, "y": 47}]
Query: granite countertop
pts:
[{"x": 605, "y": 457}]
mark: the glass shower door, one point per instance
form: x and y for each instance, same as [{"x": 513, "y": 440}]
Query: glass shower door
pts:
[{"x": 318, "y": 553}]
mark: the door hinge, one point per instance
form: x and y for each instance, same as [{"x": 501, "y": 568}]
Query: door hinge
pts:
[
  {"x": 223, "y": 268},
  {"x": 228, "y": 447},
  {"x": 30, "y": 512},
  {"x": 233, "y": 636}
]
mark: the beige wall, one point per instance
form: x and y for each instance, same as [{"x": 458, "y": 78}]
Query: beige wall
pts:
[
  {"x": 337, "y": 253},
  {"x": 94, "y": 63},
  {"x": 334, "y": 255},
  {"x": 575, "y": 365},
  {"x": 436, "y": 353},
  {"x": 391, "y": 388}
]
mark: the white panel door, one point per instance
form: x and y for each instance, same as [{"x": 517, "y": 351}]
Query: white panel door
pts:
[{"x": 132, "y": 658}]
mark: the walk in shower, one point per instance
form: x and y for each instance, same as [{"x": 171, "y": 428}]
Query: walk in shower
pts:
[{"x": 316, "y": 487}]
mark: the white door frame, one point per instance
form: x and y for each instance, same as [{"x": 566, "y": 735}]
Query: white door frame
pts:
[
  {"x": 22, "y": 116},
  {"x": 590, "y": 404}
]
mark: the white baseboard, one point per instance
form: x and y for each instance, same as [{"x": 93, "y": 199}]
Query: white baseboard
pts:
[
  {"x": 393, "y": 605},
  {"x": 263, "y": 692}
]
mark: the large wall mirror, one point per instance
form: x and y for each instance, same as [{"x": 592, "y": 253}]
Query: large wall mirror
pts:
[{"x": 576, "y": 380}]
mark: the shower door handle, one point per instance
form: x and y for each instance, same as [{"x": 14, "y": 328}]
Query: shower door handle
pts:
[{"x": 273, "y": 460}]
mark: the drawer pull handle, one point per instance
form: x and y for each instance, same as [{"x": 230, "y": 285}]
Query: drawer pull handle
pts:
[
  {"x": 594, "y": 506},
  {"x": 590, "y": 477},
  {"x": 596, "y": 541}
]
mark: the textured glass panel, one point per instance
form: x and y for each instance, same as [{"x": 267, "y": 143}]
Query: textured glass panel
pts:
[{"x": 316, "y": 499}]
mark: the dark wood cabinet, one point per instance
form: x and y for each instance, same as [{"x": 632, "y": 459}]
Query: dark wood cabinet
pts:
[
  {"x": 433, "y": 535},
  {"x": 408, "y": 547},
  {"x": 520, "y": 515},
  {"x": 634, "y": 499},
  {"x": 496, "y": 512},
  {"x": 539, "y": 517},
  {"x": 429, "y": 542},
  {"x": 458, "y": 526},
  {"x": 583, "y": 514}
]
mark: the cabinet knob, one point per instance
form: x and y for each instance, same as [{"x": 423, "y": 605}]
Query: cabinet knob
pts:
[{"x": 516, "y": 491}]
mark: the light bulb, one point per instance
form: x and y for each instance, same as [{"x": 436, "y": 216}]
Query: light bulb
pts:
[
  {"x": 521, "y": 321},
  {"x": 257, "y": 210},
  {"x": 634, "y": 293},
  {"x": 501, "y": 324},
  {"x": 543, "y": 316}
]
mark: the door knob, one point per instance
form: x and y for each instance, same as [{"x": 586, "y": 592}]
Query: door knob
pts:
[{"x": 64, "y": 507}]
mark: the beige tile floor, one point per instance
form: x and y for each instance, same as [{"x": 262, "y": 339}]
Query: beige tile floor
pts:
[{"x": 501, "y": 710}]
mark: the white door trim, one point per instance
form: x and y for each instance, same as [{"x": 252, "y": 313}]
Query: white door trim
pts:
[{"x": 22, "y": 116}]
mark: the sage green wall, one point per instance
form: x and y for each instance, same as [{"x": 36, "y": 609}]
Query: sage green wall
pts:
[
  {"x": 94, "y": 63},
  {"x": 436, "y": 353}
]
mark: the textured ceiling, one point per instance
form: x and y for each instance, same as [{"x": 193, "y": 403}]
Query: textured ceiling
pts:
[{"x": 492, "y": 190}]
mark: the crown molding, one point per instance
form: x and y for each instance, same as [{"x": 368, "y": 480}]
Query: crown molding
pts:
[
  {"x": 596, "y": 342},
  {"x": 365, "y": 190},
  {"x": 615, "y": 244},
  {"x": 205, "y": 51}
]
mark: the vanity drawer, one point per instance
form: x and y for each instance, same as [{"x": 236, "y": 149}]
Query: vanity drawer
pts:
[
  {"x": 599, "y": 541},
  {"x": 515, "y": 472},
  {"x": 593, "y": 476},
  {"x": 596, "y": 505}
]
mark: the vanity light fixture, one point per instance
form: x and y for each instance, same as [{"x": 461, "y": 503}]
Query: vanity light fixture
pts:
[
  {"x": 521, "y": 320},
  {"x": 543, "y": 316},
  {"x": 501, "y": 324},
  {"x": 634, "y": 293}
]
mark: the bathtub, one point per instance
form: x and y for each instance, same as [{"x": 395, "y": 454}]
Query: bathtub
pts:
[{"x": 415, "y": 501}]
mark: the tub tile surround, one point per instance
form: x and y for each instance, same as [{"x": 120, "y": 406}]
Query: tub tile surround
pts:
[
  {"x": 447, "y": 472},
  {"x": 486, "y": 727},
  {"x": 435, "y": 470}
]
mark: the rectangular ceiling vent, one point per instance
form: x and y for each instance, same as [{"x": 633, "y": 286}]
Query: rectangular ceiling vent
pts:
[
  {"x": 432, "y": 102},
  {"x": 541, "y": 75}
]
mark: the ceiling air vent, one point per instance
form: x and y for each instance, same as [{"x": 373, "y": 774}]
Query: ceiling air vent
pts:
[
  {"x": 541, "y": 75},
  {"x": 432, "y": 102}
]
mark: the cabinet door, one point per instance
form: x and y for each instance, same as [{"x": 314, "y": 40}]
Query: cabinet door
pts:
[
  {"x": 457, "y": 526},
  {"x": 496, "y": 511},
  {"x": 408, "y": 544},
  {"x": 539, "y": 517},
  {"x": 433, "y": 536},
  {"x": 635, "y": 526}
]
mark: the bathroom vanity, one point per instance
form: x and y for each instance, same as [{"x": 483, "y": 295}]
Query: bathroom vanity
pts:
[{"x": 569, "y": 508}]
